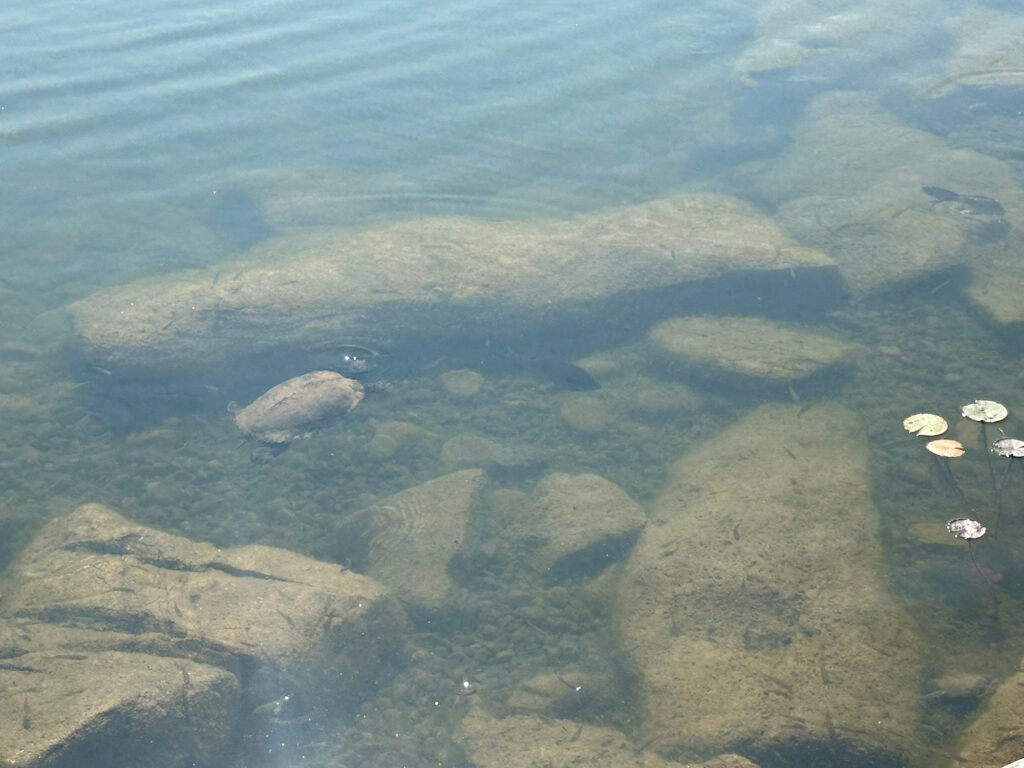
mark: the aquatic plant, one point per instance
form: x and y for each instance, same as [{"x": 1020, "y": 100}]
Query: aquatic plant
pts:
[
  {"x": 925, "y": 424},
  {"x": 985, "y": 412},
  {"x": 969, "y": 530},
  {"x": 947, "y": 449},
  {"x": 1011, "y": 448}
]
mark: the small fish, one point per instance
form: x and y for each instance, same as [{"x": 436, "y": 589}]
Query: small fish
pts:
[
  {"x": 978, "y": 204},
  {"x": 940, "y": 195},
  {"x": 563, "y": 374}
]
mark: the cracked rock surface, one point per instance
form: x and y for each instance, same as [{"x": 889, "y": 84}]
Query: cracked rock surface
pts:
[{"x": 108, "y": 627}]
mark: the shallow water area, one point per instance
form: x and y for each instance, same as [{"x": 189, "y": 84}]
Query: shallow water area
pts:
[{"x": 567, "y": 534}]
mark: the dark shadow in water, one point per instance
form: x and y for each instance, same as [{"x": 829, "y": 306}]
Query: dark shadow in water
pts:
[
  {"x": 238, "y": 217},
  {"x": 437, "y": 337}
]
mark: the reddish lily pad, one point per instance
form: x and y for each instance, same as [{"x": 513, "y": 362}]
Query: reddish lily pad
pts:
[{"x": 949, "y": 449}]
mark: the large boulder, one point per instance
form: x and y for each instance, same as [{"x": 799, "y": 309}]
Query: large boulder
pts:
[
  {"x": 754, "y": 604},
  {"x": 412, "y": 282},
  {"x": 236, "y": 607},
  {"x": 117, "y": 630},
  {"x": 63, "y": 710}
]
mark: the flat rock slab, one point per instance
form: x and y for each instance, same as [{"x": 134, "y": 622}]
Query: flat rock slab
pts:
[
  {"x": 582, "y": 523},
  {"x": 423, "y": 278},
  {"x": 754, "y": 604},
  {"x": 750, "y": 350},
  {"x": 67, "y": 710},
  {"x": 97, "y": 572}
]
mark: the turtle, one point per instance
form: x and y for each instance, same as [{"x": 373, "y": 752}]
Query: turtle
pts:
[{"x": 294, "y": 408}]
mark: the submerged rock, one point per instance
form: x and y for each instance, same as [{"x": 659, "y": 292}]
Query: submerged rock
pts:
[
  {"x": 581, "y": 523},
  {"x": 750, "y": 351},
  {"x": 414, "y": 281},
  {"x": 462, "y": 382},
  {"x": 68, "y": 709},
  {"x": 123, "y": 631},
  {"x": 754, "y": 604},
  {"x": 409, "y": 538}
]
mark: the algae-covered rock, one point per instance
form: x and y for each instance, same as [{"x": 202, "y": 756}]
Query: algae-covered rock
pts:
[{"x": 754, "y": 603}]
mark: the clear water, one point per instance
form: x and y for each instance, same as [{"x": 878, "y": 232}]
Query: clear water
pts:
[{"x": 146, "y": 140}]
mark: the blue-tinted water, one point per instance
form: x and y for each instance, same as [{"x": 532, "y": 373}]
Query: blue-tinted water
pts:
[{"x": 166, "y": 137}]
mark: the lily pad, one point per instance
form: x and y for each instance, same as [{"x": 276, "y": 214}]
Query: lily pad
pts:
[
  {"x": 1010, "y": 447},
  {"x": 925, "y": 424},
  {"x": 965, "y": 528},
  {"x": 950, "y": 449},
  {"x": 984, "y": 410}
]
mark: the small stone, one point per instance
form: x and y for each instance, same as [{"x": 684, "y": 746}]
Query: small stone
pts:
[
  {"x": 392, "y": 436},
  {"x": 585, "y": 414},
  {"x": 462, "y": 383}
]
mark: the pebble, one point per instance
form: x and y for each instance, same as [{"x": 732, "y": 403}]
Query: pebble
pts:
[
  {"x": 462, "y": 382},
  {"x": 585, "y": 414}
]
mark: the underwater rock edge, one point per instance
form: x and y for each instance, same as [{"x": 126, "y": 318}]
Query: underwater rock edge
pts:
[{"x": 436, "y": 277}]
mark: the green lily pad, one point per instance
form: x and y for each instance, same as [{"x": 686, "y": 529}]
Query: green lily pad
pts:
[
  {"x": 925, "y": 424},
  {"x": 984, "y": 410}
]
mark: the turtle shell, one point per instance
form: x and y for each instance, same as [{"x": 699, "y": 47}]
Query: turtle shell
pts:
[{"x": 296, "y": 406}]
